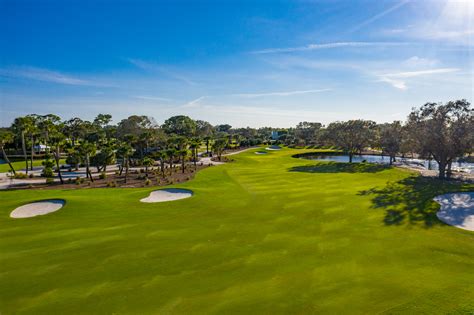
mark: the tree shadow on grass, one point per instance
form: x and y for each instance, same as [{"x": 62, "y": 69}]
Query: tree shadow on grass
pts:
[
  {"x": 411, "y": 200},
  {"x": 334, "y": 167}
]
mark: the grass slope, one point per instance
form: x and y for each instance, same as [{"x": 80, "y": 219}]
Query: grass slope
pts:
[{"x": 264, "y": 234}]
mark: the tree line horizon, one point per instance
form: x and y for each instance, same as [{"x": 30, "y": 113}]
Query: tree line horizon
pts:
[{"x": 443, "y": 132}]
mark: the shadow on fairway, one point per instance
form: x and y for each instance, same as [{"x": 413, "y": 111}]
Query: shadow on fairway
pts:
[
  {"x": 334, "y": 167},
  {"x": 411, "y": 200}
]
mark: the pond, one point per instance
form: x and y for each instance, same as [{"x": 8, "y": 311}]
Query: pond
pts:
[{"x": 420, "y": 163}]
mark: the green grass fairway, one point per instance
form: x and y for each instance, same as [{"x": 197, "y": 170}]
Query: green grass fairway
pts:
[
  {"x": 266, "y": 234},
  {"x": 20, "y": 165}
]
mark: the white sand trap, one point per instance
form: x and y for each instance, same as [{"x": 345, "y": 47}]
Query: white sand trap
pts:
[
  {"x": 273, "y": 148},
  {"x": 260, "y": 152},
  {"x": 168, "y": 194},
  {"x": 37, "y": 208},
  {"x": 457, "y": 210}
]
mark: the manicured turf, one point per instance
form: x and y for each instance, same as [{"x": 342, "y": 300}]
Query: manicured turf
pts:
[
  {"x": 264, "y": 234},
  {"x": 20, "y": 165}
]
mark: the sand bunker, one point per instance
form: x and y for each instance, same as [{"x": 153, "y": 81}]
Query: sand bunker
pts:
[
  {"x": 273, "y": 148},
  {"x": 169, "y": 194},
  {"x": 260, "y": 152},
  {"x": 457, "y": 210},
  {"x": 37, "y": 208}
]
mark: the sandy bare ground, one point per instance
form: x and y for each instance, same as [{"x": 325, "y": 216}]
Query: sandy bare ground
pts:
[
  {"x": 169, "y": 194},
  {"x": 457, "y": 210},
  {"x": 37, "y": 208}
]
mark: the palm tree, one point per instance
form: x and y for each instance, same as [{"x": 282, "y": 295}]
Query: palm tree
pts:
[
  {"x": 87, "y": 150},
  {"x": 32, "y": 132},
  {"x": 21, "y": 125},
  {"x": 125, "y": 150},
  {"x": 6, "y": 137},
  {"x": 46, "y": 125},
  {"x": 183, "y": 153},
  {"x": 171, "y": 153},
  {"x": 194, "y": 146},
  {"x": 161, "y": 156},
  {"x": 147, "y": 162},
  {"x": 207, "y": 139},
  {"x": 219, "y": 146},
  {"x": 58, "y": 141}
]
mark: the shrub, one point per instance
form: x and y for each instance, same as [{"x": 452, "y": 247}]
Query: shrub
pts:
[
  {"x": 147, "y": 182},
  {"x": 20, "y": 175},
  {"x": 103, "y": 175},
  {"x": 31, "y": 175},
  {"x": 49, "y": 180}
]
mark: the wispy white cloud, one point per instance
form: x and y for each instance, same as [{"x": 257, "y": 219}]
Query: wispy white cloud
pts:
[
  {"x": 153, "y": 67},
  {"x": 398, "y": 84},
  {"x": 415, "y": 62},
  {"x": 328, "y": 46},
  {"x": 411, "y": 74},
  {"x": 45, "y": 75},
  {"x": 152, "y": 98},
  {"x": 195, "y": 102},
  {"x": 286, "y": 93},
  {"x": 379, "y": 15},
  {"x": 397, "y": 79}
]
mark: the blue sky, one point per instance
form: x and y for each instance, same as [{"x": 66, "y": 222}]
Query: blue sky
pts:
[{"x": 246, "y": 63}]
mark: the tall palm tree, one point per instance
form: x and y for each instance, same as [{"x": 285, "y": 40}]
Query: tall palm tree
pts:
[
  {"x": 183, "y": 153},
  {"x": 21, "y": 126},
  {"x": 32, "y": 133},
  {"x": 125, "y": 150},
  {"x": 161, "y": 156},
  {"x": 207, "y": 139},
  {"x": 147, "y": 162},
  {"x": 219, "y": 146},
  {"x": 194, "y": 146},
  {"x": 87, "y": 150},
  {"x": 6, "y": 137},
  {"x": 46, "y": 125},
  {"x": 58, "y": 141},
  {"x": 171, "y": 153}
]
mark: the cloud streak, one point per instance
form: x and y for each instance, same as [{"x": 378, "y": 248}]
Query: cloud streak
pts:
[
  {"x": 397, "y": 80},
  {"x": 286, "y": 93},
  {"x": 379, "y": 16},
  {"x": 152, "y": 67},
  {"x": 45, "y": 75},
  {"x": 328, "y": 46}
]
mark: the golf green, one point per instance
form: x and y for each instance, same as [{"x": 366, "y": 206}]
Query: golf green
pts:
[{"x": 263, "y": 234}]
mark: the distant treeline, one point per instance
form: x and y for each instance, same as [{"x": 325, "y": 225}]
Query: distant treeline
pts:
[{"x": 443, "y": 132}]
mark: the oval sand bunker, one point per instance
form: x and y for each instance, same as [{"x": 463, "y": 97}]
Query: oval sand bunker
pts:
[
  {"x": 37, "y": 208},
  {"x": 168, "y": 194},
  {"x": 457, "y": 210},
  {"x": 273, "y": 148},
  {"x": 260, "y": 152}
]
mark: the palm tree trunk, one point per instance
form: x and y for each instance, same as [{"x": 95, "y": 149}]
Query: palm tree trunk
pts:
[
  {"x": 5, "y": 157},
  {"x": 182, "y": 164},
  {"x": 23, "y": 146},
  {"x": 126, "y": 170},
  {"x": 88, "y": 171},
  {"x": 32, "y": 151},
  {"x": 56, "y": 157},
  {"x": 195, "y": 158},
  {"x": 162, "y": 165}
]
